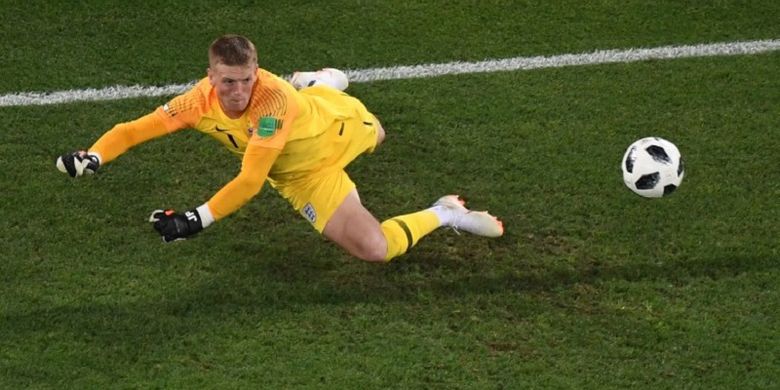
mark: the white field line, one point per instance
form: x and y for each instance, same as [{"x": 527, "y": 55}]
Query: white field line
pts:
[{"x": 426, "y": 70}]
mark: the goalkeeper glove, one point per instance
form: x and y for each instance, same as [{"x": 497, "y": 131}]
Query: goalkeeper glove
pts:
[
  {"x": 174, "y": 226},
  {"x": 78, "y": 163}
]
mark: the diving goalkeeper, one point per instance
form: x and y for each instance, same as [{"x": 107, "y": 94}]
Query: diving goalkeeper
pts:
[{"x": 298, "y": 135}]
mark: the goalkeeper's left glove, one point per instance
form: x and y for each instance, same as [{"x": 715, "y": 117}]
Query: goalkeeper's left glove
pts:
[
  {"x": 78, "y": 163},
  {"x": 174, "y": 226}
]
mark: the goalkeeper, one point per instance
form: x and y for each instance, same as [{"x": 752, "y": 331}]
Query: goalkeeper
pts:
[{"x": 298, "y": 135}]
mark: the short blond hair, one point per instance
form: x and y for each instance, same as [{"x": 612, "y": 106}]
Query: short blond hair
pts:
[{"x": 232, "y": 50}]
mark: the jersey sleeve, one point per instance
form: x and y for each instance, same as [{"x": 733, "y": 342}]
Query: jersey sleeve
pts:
[
  {"x": 123, "y": 136},
  {"x": 255, "y": 166},
  {"x": 180, "y": 112},
  {"x": 185, "y": 110}
]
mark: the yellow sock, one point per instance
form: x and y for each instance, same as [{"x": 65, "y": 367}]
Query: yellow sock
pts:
[{"x": 404, "y": 231}]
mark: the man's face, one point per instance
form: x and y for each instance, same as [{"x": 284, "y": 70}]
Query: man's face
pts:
[{"x": 233, "y": 85}]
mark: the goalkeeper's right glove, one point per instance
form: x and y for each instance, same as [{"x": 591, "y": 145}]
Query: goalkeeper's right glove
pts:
[
  {"x": 78, "y": 163},
  {"x": 174, "y": 226}
]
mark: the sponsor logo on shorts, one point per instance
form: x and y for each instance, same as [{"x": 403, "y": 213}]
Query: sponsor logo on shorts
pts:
[{"x": 309, "y": 212}]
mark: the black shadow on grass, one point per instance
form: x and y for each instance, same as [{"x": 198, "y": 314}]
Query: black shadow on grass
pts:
[{"x": 131, "y": 330}]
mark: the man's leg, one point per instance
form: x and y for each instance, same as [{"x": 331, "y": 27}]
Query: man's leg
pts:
[{"x": 357, "y": 231}]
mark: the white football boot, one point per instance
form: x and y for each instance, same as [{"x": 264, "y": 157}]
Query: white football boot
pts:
[
  {"x": 328, "y": 76},
  {"x": 453, "y": 213}
]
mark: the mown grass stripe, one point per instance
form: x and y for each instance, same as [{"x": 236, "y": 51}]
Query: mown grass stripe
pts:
[{"x": 425, "y": 70}]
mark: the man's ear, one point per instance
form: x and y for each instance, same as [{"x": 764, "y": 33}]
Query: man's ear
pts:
[{"x": 211, "y": 76}]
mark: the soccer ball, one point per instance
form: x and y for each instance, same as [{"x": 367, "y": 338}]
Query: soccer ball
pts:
[{"x": 652, "y": 167}]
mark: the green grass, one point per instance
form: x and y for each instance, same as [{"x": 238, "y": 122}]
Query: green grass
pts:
[
  {"x": 63, "y": 45},
  {"x": 591, "y": 287}
]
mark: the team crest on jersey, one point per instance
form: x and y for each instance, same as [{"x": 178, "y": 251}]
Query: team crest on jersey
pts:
[
  {"x": 170, "y": 108},
  {"x": 309, "y": 212},
  {"x": 267, "y": 126}
]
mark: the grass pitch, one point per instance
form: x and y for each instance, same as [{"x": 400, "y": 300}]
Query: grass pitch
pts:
[{"x": 591, "y": 287}]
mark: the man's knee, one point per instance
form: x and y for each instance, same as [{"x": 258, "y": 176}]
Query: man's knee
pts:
[
  {"x": 373, "y": 248},
  {"x": 357, "y": 231}
]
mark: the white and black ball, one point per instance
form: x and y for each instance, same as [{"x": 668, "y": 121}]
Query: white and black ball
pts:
[{"x": 653, "y": 167}]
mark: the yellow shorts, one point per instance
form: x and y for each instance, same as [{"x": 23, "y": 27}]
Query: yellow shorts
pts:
[{"x": 319, "y": 193}]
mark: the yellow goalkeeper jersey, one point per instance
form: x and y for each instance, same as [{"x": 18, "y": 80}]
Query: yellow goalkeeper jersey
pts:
[
  {"x": 281, "y": 135},
  {"x": 277, "y": 115}
]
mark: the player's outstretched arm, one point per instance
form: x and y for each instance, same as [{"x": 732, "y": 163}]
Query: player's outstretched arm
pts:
[
  {"x": 113, "y": 143},
  {"x": 173, "y": 226}
]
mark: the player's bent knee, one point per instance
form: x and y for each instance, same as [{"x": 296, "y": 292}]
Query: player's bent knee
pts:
[
  {"x": 373, "y": 249},
  {"x": 354, "y": 229}
]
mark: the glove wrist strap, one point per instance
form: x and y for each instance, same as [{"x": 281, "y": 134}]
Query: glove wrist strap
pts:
[
  {"x": 97, "y": 156},
  {"x": 206, "y": 218}
]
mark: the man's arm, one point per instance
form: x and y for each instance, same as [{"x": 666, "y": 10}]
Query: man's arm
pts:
[
  {"x": 113, "y": 143},
  {"x": 126, "y": 135},
  {"x": 248, "y": 183},
  {"x": 255, "y": 166},
  {"x": 180, "y": 112}
]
